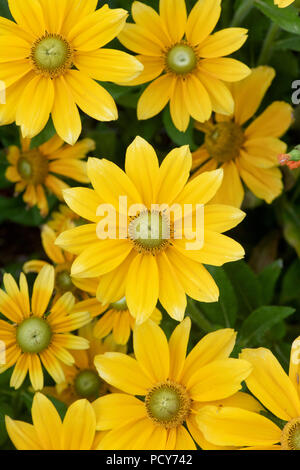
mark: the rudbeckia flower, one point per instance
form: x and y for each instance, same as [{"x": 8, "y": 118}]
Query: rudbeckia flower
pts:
[
  {"x": 186, "y": 64},
  {"x": 50, "y": 58},
  {"x": 48, "y": 432},
  {"x": 171, "y": 388},
  {"x": 152, "y": 259},
  {"x": 283, "y": 3},
  {"x": 277, "y": 391},
  {"x": 36, "y": 332},
  {"x": 247, "y": 151},
  {"x": 82, "y": 378},
  {"x": 34, "y": 169}
]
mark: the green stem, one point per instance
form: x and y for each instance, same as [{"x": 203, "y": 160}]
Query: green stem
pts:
[
  {"x": 198, "y": 317},
  {"x": 243, "y": 11},
  {"x": 267, "y": 49}
]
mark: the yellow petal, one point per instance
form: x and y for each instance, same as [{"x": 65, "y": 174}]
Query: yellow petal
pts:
[
  {"x": 201, "y": 189},
  {"x": 234, "y": 426},
  {"x": 84, "y": 202},
  {"x": 202, "y": 20},
  {"x": 231, "y": 191},
  {"x": 223, "y": 43},
  {"x": 219, "y": 94},
  {"x": 65, "y": 115},
  {"x": 42, "y": 290},
  {"x": 35, "y": 106},
  {"x": 228, "y": 70},
  {"x": 79, "y": 426},
  {"x": 141, "y": 40},
  {"x": 255, "y": 86},
  {"x": 184, "y": 440},
  {"x": 23, "y": 435},
  {"x": 178, "y": 343},
  {"x": 142, "y": 295},
  {"x": 77, "y": 239},
  {"x": 142, "y": 167},
  {"x": 123, "y": 372},
  {"x": 97, "y": 29},
  {"x": 13, "y": 48},
  {"x": 35, "y": 372},
  {"x": 116, "y": 409},
  {"x": 155, "y": 97},
  {"x": 213, "y": 347},
  {"x": 197, "y": 99},
  {"x": 20, "y": 371},
  {"x": 271, "y": 385},
  {"x": 218, "y": 380},
  {"x": 150, "y": 20},
  {"x": 109, "y": 65},
  {"x": 171, "y": 293},
  {"x": 153, "y": 67},
  {"x": 71, "y": 168},
  {"x": 48, "y": 239},
  {"x": 174, "y": 17},
  {"x": 178, "y": 108},
  {"x": 47, "y": 422},
  {"x": 151, "y": 351},
  {"x": 30, "y": 18},
  {"x": 273, "y": 122},
  {"x": 220, "y": 218},
  {"x": 135, "y": 435},
  {"x": 91, "y": 97}
]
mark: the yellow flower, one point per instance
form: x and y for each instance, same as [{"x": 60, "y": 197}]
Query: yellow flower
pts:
[
  {"x": 38, "y": 56},
  {"x": 277, "y": 391},
  {"x": 187, "y": 58},
  {"x": 283, "y": 3},
  {"x": 63, "y": 220},
  {"x": 175, "y": 387},
  {"x": 40, "y": 332},
  {"x": 249, "y": 154},
  {"x": 118, "y": 320},
  {"x": 149, "y": 261},
  {"x": 82, "y": 379},
  {"x": 48, "y": 432},
  {"x": 32, "y": 169}
]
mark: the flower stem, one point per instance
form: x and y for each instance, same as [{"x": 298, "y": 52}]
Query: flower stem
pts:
[
  {"x": 243, "y": 11},
  {"x": 267, "y": 48},
  {"x": 197, "y": 316}
]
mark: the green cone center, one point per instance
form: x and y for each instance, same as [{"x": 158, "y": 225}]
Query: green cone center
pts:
[
  {"x": 149, "y": 230},
  {"x": 290, "y": 439},
  {"x": 181, "y": 59},
  {"x": 224, "y": 141},
  {"x": 34, "y": 335},
  {"x": 87, "y": 384},
  {"x": 51, "y": 53},
  {"x": 64, "y": 281},
  {"x": 164, "y": 404},
  {"x": 25, "y": 168},
  {"x": 119, "y": 305}
]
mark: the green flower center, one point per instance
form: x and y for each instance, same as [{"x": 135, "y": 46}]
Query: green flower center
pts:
[
  {"x": 33, "y": 166},
  {"x": 87, "y": 384},
  {"x": 64, "y": 281},
  {"x": 150, "y": 231},
  {"x": 181, "y": 59},
  {"x": 168, "y": 404},
  {"x": 224, "y": 141},
  {"x": 120, "y": 305},
  {"x": 34, "y": 335},
  {"x": 290, "y": 437},
  {"x": 52, "y": 55}
]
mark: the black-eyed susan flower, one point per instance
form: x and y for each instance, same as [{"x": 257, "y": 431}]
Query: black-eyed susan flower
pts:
[
  {"x": 118, "y": 320},
  {"x": 246, "y": 153},
  {"x": 278, "y": 392},
  {"x": 35, "y": 170},
  {"x": 152, "y": 258},
  {"x": 171, "y": 387},
  {"x": 49, "y": 58},
  {"x": 283, "y": 3},
  {"x": 37, "y": 332},
  {"x": 186, "y": 64},
  {"x": 82, "y": 378},
  {"x": 48, "y": 432}
]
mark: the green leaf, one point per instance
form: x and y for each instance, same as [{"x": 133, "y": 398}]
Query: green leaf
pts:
[
  {"x": 246, "y": 286},
  {"x": 290, "y": 284},
  {"x": 268, "y": 279},
  {"x": 47, "y": 133},
  {"x": 259, "y": 322},
  {"x": 179, "y": 138},
  {"x": 286, "y": 18},
  {"x": 5, "y": 410},
  {"x": 225, "y": 311},
  {"x": 291, "y": 43}
]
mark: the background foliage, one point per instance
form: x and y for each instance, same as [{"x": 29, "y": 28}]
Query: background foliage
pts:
[{"x": 259, "y": 297}]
